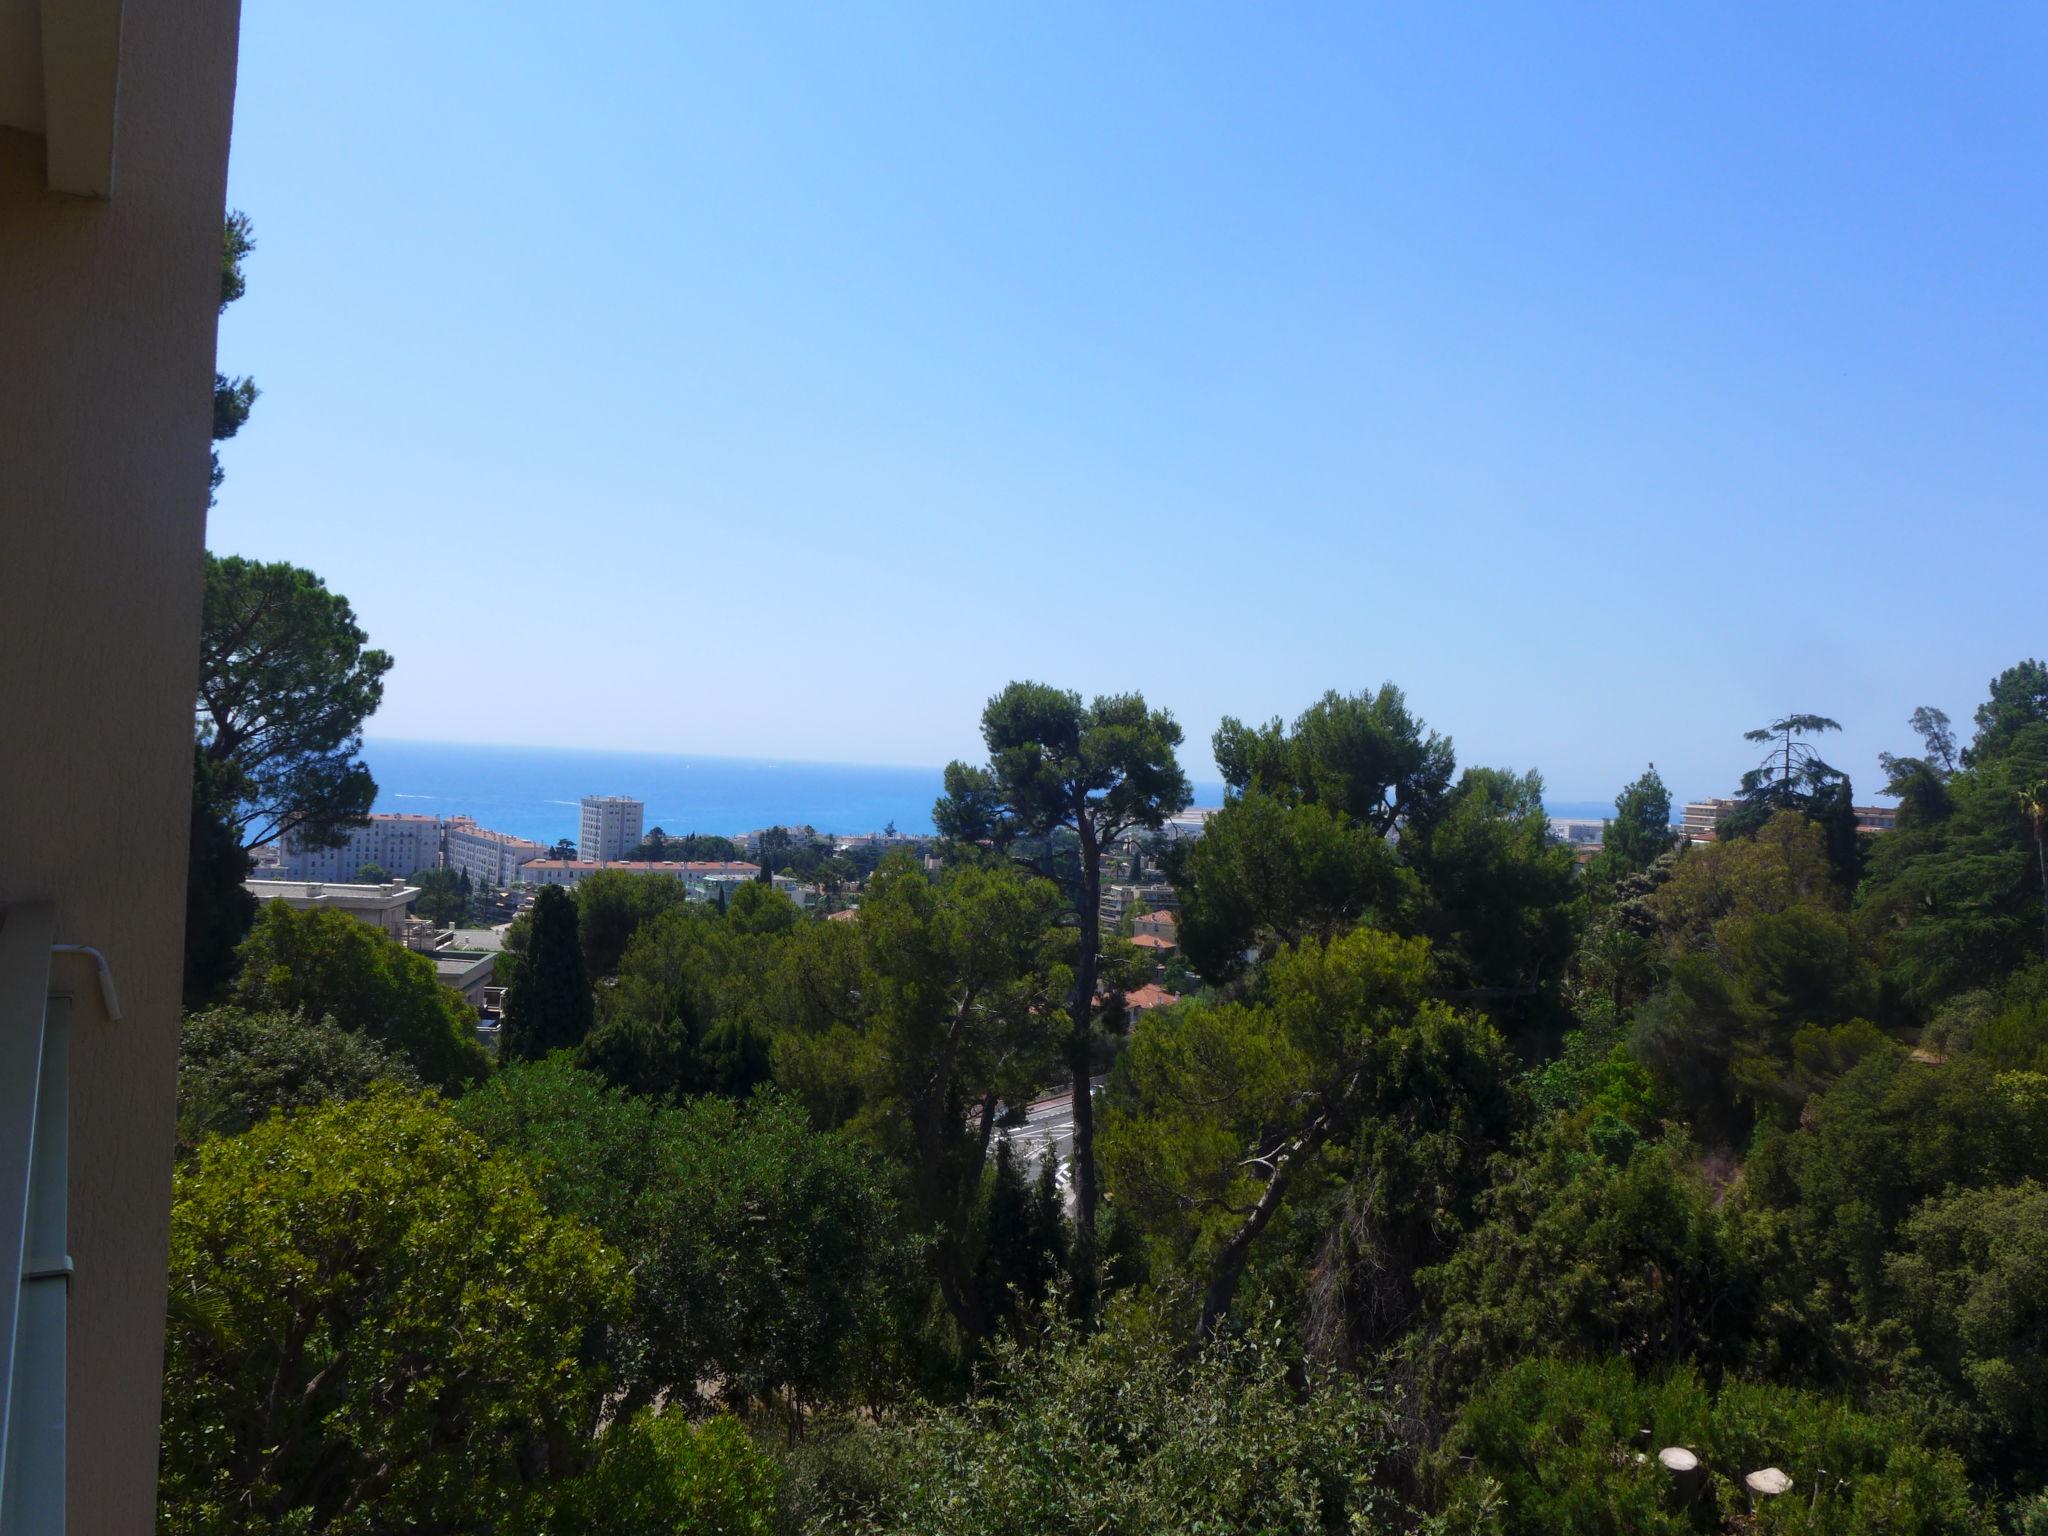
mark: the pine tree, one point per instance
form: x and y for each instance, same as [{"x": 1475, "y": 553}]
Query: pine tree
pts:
[{"x": 548, "y": 1005}]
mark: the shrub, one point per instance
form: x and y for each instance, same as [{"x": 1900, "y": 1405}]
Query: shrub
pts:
[{"x": 1554, "y": 1446}]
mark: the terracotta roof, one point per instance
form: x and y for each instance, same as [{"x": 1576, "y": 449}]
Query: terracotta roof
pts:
[
  {"x": 1151, "y": 941},
  {"x": 1161, "y": 916},
  {"x": 845, "y": 915},
  {"x": 1149, "y": 996}
]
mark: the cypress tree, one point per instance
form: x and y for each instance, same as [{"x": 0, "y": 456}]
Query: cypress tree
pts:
[{"x": 548, "y": 1005}]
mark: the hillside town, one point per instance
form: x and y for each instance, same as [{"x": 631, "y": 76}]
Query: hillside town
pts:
[{"x": 388, "y": 871}]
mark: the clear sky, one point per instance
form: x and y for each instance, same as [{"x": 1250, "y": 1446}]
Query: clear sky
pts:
[{"x": 781, "y": 381}]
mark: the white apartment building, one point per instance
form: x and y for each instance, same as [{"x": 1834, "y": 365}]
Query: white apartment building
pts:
[
  {"x": 1702, "y": 817},
  {"x": 699, "y": 875},
  {"x": 610, "y": 828},
  {"x": 1580, "y": 831},
  {"x": 398, "y": 845},
  {"x": 491, "y": 859}
]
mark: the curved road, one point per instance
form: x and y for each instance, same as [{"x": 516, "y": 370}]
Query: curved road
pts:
[{"x": 1048, "y": 1124}]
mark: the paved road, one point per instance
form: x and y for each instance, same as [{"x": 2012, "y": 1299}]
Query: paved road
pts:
[{"x": 1049, "y": 1122}]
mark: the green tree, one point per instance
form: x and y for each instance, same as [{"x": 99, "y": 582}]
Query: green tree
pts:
[
  {"x": 1641, "y": 828},
  {"x": 1024, "y": 1253},
  {"x": 374, "y": 1326},
  {"x": 1499, "y": 905},
  {"x": 1952, "y": 900},
  {"x": 758, "y": 907},
  {"x": 1758, "y": 947},
  {"x": 1888, "y": 1135},
  {"x": 372, "y": 874},
  {"x": 218, "y": 910},
  {"x": 658, "y": 1473},
  {"x": 1794, "y": 777},
  {"x": 1216, "y": 1117},
  {"x": 1592, "y": 1245},
  {"x": 547, "y": 1003},
  {"x": 285, "y": 682},
  {"x": 1096, "y": 771},
  {"x": 2019, "y": 698},
  {"x": 1267, "y": 873},
  {"x": 1965, "y": 1281},
  {"x": 2033, "y": 798},
  {"x": 235, "y": 1067},
  {"x": 611, "y": 906},
  {"x": 686, "y": 1014},
  {"x": 1350, "y": 816},
  {"x": 659, "y": 846},
  {"x": 441, "y": 900},
  {"x": 759, "y": 1245},
  {"x": 1364, "y": 756},
  {"x": 1551, "y": 1446},
  {"x": 958, "y": 989},
  {"x": 1119, "y": 1433},
  {"x": 1917, "y": 782},
  {"x": 325, "y": 964},
  {"x": 233, "y": 399}
]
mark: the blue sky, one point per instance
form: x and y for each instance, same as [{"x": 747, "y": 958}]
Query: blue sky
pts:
[{"x": 780, "y": 381}]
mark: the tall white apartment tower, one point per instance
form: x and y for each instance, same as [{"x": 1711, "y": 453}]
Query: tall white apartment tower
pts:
[{"x": 611, "y": 827}]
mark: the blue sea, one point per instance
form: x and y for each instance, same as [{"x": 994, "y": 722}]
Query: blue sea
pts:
[{"x": 532, "y": 792}]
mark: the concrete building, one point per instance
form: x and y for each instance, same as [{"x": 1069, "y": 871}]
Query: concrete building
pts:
[
  {"x": 467, "y": 971},
  {"x": 1579, "y": 831},
  {"x": 1702, "y": 817},
  {"x": 1877, "y": 818},
  {"x": 750, "y": 842},
  {"x": 114, "y": 120},
  {"x": 492, "y": 860},
  {"x": 1119, "y": 899},
  {"x": 1188, "y": 824},
  {"x": 610, "y": 828},
  {"x": 573, "y": 872},
  {"x": 381, "y": 906},
  {"x": 399, "y": 845},
  {"x": 803, "y": 895}
]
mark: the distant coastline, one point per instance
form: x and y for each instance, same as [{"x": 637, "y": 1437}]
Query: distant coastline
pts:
[{"x": 532, "y": 792}]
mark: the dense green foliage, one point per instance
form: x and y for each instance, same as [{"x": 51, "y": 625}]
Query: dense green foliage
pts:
[
  {"x": 547, "y": 1000},
  {"x": 1554, "y": 1447},
  {"x": 286, "y": 679},
  {"x": 659, "y": 846},
  {"x": 324, "y": 963},
  {"x": 233, "y": 399},
  {"x": 430, "y": 1389},
  {"x": 1351, "y": 816},
  {"x": 1117, "y": 1434},
  {"x": 1096, "y": 771},
  {"x": 662, "y": 1475},
  {"x": 760, "y": 1248},
  {"x": 1466, "y": 1179},
  {"x": 218, "y": 910},
  {"x": 235, "y": 1067}
]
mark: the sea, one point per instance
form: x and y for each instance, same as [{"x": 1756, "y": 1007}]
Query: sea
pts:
[{"x": 532, "y": 792}]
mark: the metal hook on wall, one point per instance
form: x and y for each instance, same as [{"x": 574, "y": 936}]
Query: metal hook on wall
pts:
[{"x": 108, "y": 995}]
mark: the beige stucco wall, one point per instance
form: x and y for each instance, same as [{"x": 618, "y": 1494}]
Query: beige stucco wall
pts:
[{"x": 107, "y": 316}]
